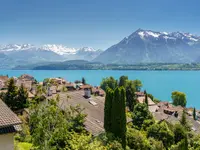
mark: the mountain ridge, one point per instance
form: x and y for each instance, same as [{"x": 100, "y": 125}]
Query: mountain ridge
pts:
[{"x": 147, "y": 46}]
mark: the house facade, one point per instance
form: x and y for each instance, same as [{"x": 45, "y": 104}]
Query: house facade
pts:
[{"x": 9, "y": 125}]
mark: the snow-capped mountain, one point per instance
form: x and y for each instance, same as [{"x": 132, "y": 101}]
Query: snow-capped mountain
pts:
[
  {"x": 59, "y": 49},
  {"x": 15, "y": 47},
  {"x": 17, "y": 54},
  {"x": 145, "y": 46}
]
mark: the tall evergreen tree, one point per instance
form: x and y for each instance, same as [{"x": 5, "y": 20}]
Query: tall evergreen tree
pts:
[
  {"x": 184, "y": 121},
  {"x": 107, "y": 110},
  {"x": 22, "y": 98},
  {"x": 146, "y": 99},
  {"x": 118, "y": 125},
  {"x": 11, "y": 95},
  {"x": 130, "y": 95},
  {"x": 123, "y": 118},
  {"x": 194, "y": 114},
  {"x": 83, "y": 80},
  {"x": 115, "y": 112}
]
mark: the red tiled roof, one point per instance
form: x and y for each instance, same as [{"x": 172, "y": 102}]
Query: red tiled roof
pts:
[
  {"x": 7, "y": 117},
  {"x": 4, "y": 78}
]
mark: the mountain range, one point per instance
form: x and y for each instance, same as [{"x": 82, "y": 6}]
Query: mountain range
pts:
[
  {"x": 146, "y": 46},
  {"x": 13, "y": 55},
  {"x": 142, "y": 46}
]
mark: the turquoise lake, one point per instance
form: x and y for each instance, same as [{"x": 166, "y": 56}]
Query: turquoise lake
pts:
[{"x": 158, "y": 83}]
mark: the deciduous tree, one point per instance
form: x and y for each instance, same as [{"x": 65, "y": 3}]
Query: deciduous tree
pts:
[
  {"x": 108, "y": 82},
  {"x": 179, "y": 98},
  {"x": 138, "y": 85}
]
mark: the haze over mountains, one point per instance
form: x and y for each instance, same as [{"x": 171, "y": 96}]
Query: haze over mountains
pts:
[
  {"x": 142, "y": 46},
  {"x": 25, "y": 54},
  {"x": 146, "y": 46}
]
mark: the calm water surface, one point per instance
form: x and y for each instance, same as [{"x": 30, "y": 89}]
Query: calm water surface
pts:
[{"x": 158, "y": 83}]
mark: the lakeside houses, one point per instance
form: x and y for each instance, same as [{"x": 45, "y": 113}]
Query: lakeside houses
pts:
[
  {"x": 165, "y": 111},
  {"x": 9, "y": 125},
  {"x": 92, "y": 99}
]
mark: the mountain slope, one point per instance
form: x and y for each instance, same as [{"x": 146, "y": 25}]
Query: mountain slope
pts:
[{"x": 146, "y": 46}]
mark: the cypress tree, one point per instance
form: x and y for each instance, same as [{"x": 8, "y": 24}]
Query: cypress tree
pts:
[
  {"x": 118, "y": 125},
  {"x": 115, "y": 119},
  {"x": 146, "y": 99},
  {"x": 194, "y": 114},
  {"x": 123, "y": 117},
  {"x": 183, "y": 120},
  {"x": 11, "y": 95},
  {"x": 107, "y": 110}
]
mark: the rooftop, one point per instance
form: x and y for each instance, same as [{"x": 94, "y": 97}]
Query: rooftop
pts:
[{"x": 7, "y": 117}]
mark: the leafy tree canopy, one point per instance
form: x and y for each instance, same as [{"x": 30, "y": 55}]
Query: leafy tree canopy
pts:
[
  {"x": 108, "y": 82},
  {"x": 179, "y": 98}
]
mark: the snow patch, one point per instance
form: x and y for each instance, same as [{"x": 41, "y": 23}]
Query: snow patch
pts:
[
  {"x": 141, "y": 34},
  {"x": 153, "y": 34}
]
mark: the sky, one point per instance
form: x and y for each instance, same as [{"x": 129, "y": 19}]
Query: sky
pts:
[{"x": 94, "y": 23}]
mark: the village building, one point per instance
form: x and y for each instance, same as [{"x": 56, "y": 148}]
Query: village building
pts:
[
  {"x": 9, "y": 125},
  {"x": 70, "y": 86},
  {"x": 151, "y": 105},
  {"x": 58, "y": 80},
  {"x": 27, "y": 77},
  {"x": 97, "y": 91},
  {"x": 3, "y": 82},
  {"x": 26, "y": 83}
]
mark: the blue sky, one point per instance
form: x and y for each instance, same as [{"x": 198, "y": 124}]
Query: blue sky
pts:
[{"x": 95, "y": 23}]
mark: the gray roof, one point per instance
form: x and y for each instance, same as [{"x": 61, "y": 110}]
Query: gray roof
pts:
[
  {"x": 7, "y": 117},
  {"x": 95, "y": 113},
  {"x": 10, "y": 129}
]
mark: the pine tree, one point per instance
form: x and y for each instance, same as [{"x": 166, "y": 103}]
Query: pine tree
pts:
[
  {"x": 194, "y": 114},
  {"x": 11, "y": 95},
  {"x": 146, "y": 99},
  {"x": 107, "y": 110},
  {"x": 22, "y": 98}
]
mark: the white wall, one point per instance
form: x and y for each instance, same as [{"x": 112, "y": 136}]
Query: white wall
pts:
[{"x": 7, "y": 141}]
